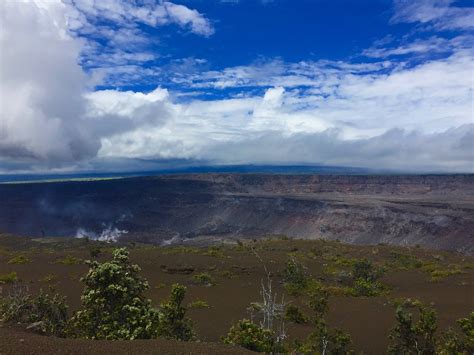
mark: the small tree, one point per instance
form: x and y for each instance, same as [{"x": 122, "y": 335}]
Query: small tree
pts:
[
  {"x": 365, "y": 270},
  {"x": 364, "y": 279},
  {"x": 114, "y": 306},
  {"x": 409, "y": 337},
  {"x": 269, "y": 335},
  {"x": 295, "y": 276},
  {"x": 324, "y": 340},
  {"x": 173, "y": 323}
]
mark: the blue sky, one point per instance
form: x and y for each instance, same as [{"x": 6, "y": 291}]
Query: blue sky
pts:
[{"x": 109, "y": 85}]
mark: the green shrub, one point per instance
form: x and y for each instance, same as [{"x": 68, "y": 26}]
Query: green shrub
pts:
[
  {"x": 172, "y": 321},
  {"x": 364, "y": 270},
  {"x": 318, "y": 301},
  {"x": 204, "y": 279},
  {"x": 295, "y": 276},
  {"x": 113, "y": 304},
  {"x": 366, "y": 288},
  {"x": 410, "y": 337},
  {"x": 19, "y": 259},
  {"x": 45, "y": 313},
  {"x": 364, "y": 279},
  {"x": 459, "y": 342},
  {"x": 8, "y": 278},
  {"x": 250, "y": 336},
  {"x": 293, "y": 314},
  {"x": 16, "y": 305},
  {"x": 324, "y": 340}
]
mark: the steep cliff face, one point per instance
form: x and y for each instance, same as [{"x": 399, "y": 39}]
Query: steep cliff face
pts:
[{"x": 431, "y": 211}]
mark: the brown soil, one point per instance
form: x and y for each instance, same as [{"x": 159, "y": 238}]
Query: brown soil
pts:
[
  {"x": 16, "y": 341},
  {"x": 238, "y": 274}
]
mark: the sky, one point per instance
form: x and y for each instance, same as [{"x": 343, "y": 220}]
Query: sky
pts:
[{"x": 115, "y": 85}]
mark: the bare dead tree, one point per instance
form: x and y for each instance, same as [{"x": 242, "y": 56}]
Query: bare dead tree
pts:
[{"x": 270, "y": 309}]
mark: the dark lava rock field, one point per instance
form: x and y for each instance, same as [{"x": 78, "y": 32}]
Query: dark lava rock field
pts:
[{"x": 433, "y": 211}]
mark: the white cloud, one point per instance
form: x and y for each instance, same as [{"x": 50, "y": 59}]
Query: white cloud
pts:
[
  {"x": 441, "y": 14},
  {"x": 114, "y": 34},
  {"x": 47, "y": 113},
  {"x": 188, "y": 17},
  {"x": 376, "y": 114}
]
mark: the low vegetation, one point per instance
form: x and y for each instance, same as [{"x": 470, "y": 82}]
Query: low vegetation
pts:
[
  {"x": 8, "y": 278},
  {"x": 45, "y": 313},
  {"x": 293, "y": 294},
  {"x": 19, "y": 259},
  {"x": 204, "y": 279}
]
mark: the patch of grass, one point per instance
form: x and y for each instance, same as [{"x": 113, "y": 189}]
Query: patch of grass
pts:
[
  {"x": 19, "y": 259},
  {"x": 438, "y": 272},
  {"x": 160, "y": 285},
  {"x": 180, "y": 250},
  {"x": 399, "y": 261},
  {"x": 204, "y": 279},
  {"x": 8, "y": 278},
  {"x": 340, "y": 290},
  {"x": 198, "y": 304},
  {"x": 214, "y": 251},
  {"x": 48, "y": 278},
  {"x": 69, "y": 260},
  {"x": 228, "y": 274}
]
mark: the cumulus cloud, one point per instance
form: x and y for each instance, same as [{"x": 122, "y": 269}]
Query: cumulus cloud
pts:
[
  {"x": 380, "y": 113},
  {"x": 41, "y": 86},
  {"x": 47, "y": 113}
]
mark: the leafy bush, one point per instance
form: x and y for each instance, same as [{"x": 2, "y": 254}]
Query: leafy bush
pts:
[
  {"x": 293, "y": 314},
  {"x": 318, "y": 301},
  {"x": 48, "y": 314},
  {"x": 364, "y": 270},
  {"x": 295, "y": 276},
  {"x": 366, "y": 288},
  {"x": 8, "y": 278},
  {"x": 459, "y": 343},
  {"x": 204, "y": 279},
  {"x": 250, "y": 336},
  {"x": 114, "y": 306},
  {"x": 324, "y": 340},
  {"x": 364, "y": 279},
  {"x": 409, "y": 337},
  {"x": 19, "y": 259},
  {"x": 172, "y": 321}
]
